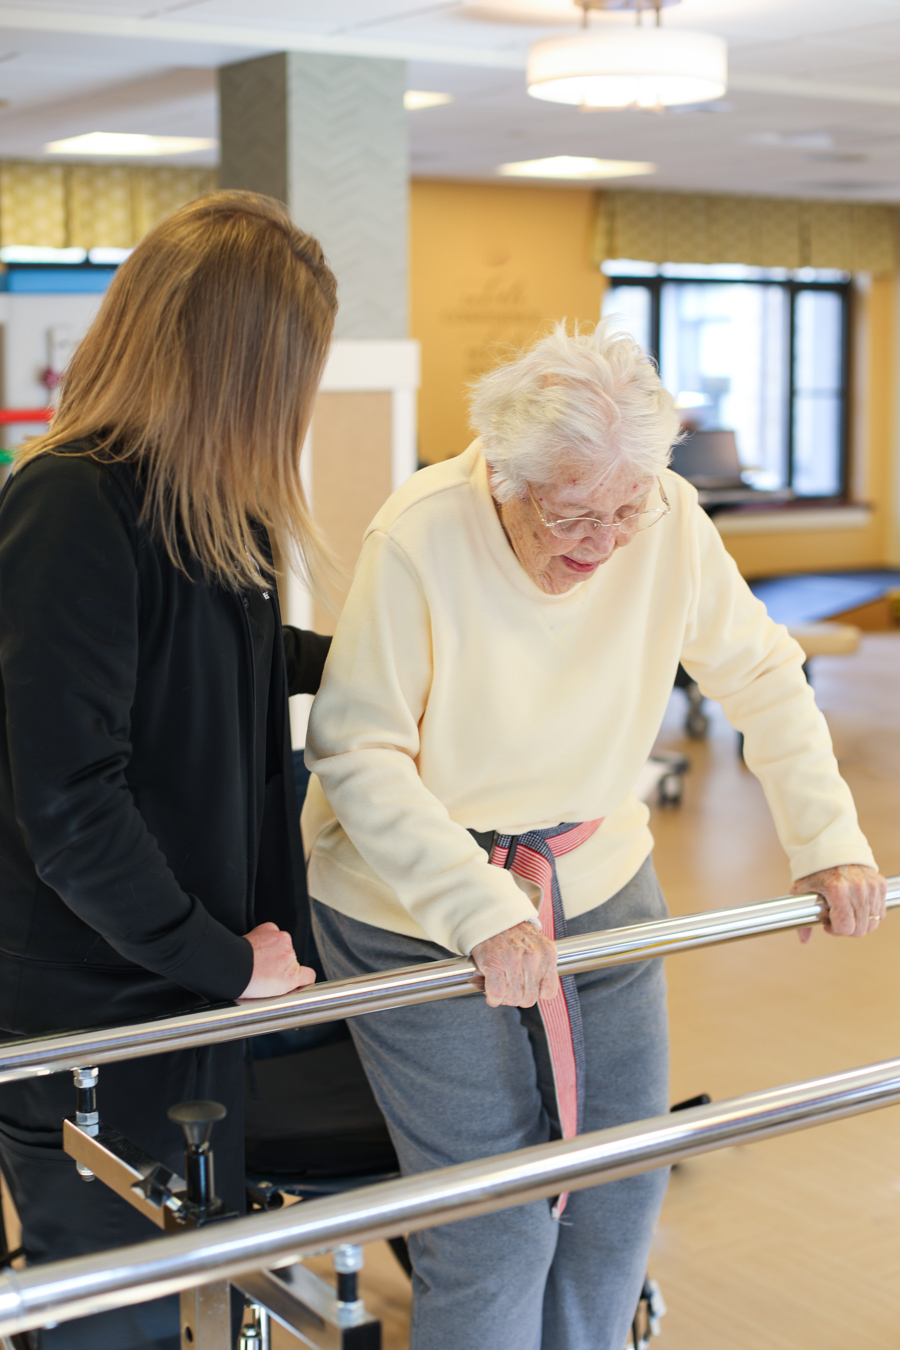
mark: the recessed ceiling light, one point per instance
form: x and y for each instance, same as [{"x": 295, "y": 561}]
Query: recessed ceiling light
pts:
[
  {"x": 125, "y": 144},
  {"x": 414, "y": 99},
  {"x": 576, "y": 166}
]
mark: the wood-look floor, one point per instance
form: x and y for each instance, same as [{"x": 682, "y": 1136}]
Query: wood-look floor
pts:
[{"x": 793, "y": 1243}]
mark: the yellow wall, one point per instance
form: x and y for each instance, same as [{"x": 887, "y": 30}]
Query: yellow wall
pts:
[{"x": 491, "y": 266}]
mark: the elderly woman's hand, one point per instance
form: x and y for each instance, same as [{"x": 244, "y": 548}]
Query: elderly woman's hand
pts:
[
  {"x": 519, "y": 967},
  {"x": 855, "y": 896}
]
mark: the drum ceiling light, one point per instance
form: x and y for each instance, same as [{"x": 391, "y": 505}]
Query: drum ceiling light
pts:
[{"x": 628, "y": 67}]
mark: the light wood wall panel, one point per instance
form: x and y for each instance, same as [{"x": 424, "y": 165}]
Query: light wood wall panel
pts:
[{"x": 351, "y": 474}]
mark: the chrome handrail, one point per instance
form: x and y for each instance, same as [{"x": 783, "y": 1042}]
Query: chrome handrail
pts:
[
  {"x": 336, "y": 999},
  {"x": 86, "y": 1285}
]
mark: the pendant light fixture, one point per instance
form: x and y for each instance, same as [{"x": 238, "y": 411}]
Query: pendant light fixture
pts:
[
  {"x": 543, "y": 11},
  {"x": 643, "y": 66}
]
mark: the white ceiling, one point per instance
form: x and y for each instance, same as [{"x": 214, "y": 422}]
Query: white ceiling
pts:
[{"x": 813, "y": 106}]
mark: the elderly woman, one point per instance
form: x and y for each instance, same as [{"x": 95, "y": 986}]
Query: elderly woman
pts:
[{"x": 502, "y": 665}]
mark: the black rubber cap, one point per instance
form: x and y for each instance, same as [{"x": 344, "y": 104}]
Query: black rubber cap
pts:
[{"x": 197, "y": 1119}]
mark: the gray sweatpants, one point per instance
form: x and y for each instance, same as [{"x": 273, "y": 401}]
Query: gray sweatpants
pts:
[{"x": 458, "y": 1080}]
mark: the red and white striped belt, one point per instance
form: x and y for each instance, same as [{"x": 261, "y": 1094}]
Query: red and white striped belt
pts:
[{"x": 533, "y": 856}]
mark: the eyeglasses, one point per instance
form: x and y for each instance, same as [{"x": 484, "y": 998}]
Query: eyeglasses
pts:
[{"x": 574, "y": 527}]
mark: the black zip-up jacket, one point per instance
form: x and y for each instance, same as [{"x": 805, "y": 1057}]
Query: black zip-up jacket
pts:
[{"x": 129, "y": 856}]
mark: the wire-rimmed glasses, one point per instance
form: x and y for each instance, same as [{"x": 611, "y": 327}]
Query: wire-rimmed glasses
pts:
[{"x": 575, "y": 527}]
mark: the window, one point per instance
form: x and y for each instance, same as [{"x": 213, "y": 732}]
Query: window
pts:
[{"x": 762, "y": 353}]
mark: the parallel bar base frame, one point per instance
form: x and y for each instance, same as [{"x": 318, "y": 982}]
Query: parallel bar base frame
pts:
[
  {"x": 206, "y": 1317},
  {"x": 307, "y": 1306}
]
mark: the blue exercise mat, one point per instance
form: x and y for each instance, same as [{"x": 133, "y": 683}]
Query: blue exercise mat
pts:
[{"x": 821, "y": 595}]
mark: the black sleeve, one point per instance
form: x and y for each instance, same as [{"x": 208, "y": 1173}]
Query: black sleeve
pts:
[
  {"x": 69, "y": 632},
  {"x": 305, "y": 654}
]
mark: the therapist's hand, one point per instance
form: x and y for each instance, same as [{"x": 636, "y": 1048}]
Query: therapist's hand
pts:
[
  {"x": 275, "y": 967},
  {"x": 855, "y": 896},
  {"x": 519, "y": 967}
]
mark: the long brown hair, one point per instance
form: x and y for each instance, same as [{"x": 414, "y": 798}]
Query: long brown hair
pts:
[{"x": 201, "y": 368}]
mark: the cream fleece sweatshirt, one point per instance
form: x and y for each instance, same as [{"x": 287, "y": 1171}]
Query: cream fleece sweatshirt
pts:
[{"x": 457, "y": 694}]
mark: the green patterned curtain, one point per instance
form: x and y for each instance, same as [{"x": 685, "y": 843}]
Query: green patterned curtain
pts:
[
  {"x": 686, "y": 227},
  {"x": 91, "y": 205}
]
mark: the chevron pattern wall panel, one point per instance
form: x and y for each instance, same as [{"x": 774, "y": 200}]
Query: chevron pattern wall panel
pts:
[
  {"x": 253, "y": 127},
  {"x": 349, "y": 182},
  {"x": 328, "y": 135}
]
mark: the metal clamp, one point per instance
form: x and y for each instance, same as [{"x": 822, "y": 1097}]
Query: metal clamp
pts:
[
  {"x": 305, "y": 1304},
  {"x": 319, "y": 1315}
]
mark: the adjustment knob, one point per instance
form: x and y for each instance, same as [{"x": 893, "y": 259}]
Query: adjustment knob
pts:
[{"x": 197, "y": 1120}]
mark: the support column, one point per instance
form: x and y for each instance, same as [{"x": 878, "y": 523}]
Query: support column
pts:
[{"x": 327, "y": 135}]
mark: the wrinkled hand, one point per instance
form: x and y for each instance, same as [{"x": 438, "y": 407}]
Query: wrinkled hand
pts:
[
  {"x": 519, "y": 967},
  {"x": 855, "y": 896},
  {"x": 275, "y": 967}
]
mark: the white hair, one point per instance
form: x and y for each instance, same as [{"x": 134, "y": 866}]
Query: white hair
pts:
[{"x": 592, "y": 396}]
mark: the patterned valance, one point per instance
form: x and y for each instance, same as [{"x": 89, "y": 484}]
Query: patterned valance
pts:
[
  {"x": 687, "y": 227},
  {"x": 91, "y": 205}
]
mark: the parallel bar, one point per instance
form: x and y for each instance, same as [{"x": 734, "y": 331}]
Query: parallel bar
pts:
[
  {"x": 92, "y": 1284},
  {"x": 399, "y": 988}
]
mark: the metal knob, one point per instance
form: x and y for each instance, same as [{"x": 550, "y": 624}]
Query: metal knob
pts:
[{"x": 197, "y": 1120}]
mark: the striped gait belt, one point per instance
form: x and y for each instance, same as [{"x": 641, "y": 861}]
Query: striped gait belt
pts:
[{"x": 533, "y": 856}]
